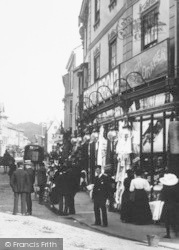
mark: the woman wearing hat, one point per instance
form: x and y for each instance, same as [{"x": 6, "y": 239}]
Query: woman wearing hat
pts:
[{"x": 170, "y": 195}]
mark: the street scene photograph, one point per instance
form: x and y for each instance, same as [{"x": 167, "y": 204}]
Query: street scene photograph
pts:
[{"x": 89, "y": 124}]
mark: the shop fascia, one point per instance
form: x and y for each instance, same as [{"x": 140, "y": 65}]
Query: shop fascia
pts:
[
  {"x": 108, "y": 80},
  {"x": 147, "y": 66},
  {"x": 144, "y": 104}
]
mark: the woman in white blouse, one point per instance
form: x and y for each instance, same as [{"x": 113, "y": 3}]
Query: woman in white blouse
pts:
[{"x": 141, "y": 210}]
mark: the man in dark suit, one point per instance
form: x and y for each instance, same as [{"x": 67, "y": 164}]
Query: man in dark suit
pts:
[
  {"x": 100, "y": 196},
  {"x": 20, "y": 184},
  {"x": 41, "y": 181},
  {"x": 31, "y": 175}
]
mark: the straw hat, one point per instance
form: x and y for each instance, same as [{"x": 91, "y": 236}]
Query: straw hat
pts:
[{"x": 169, "y": 180}]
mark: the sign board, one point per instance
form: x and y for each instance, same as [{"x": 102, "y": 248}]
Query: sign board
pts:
[
  {"x": 108, "y": 80},
  {"x": 151, "y": 64}
]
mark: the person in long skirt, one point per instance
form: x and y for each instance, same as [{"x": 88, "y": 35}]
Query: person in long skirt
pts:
[
  {"x": 126, "y": 204},
  {"x": 141, "y": 210},
  {"x": 170, "y": 196}
]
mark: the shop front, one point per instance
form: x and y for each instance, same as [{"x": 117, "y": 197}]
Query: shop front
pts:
[{"x": 144, "y": 108}]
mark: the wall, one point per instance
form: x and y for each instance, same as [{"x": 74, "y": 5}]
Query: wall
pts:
[{"x": 163, "y": 18}]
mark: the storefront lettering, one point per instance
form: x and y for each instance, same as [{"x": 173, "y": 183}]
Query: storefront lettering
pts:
[
  {"x": 110, "y": 114},
  {"x": 105, "y": 92},
  {"x": 150, "y": 64}
]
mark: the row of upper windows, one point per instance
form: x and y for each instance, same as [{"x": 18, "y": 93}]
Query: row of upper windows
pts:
[{"x": 149, "y": 37}]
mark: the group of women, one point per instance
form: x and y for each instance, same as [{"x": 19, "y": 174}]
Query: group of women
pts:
[{"x": 135, "y": 206}]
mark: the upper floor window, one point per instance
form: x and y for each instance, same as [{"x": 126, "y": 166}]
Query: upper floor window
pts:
[
  {"x": 112, "y": 54},
  {"x": 150, "y": 28},
  {"x": 97, "y": 13},
  {"x": 96, "y": 67}
]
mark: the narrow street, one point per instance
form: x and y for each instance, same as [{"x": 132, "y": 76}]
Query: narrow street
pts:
[{"x": 45, "y": 224}]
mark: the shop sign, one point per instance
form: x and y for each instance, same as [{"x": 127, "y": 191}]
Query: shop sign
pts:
[
  {"x": 151, "y": 102},
  {"x": 147, "y": 4},
  {"x": 110, "y": 114},
  {"x": 108, "y": 80},
  {"x": 150, "y": 64}
]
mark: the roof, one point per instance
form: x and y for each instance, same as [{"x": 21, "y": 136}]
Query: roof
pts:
[{"x": 76, "y": 57}]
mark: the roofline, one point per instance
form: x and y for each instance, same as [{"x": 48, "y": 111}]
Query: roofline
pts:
[{"x": 82, "y": 11}]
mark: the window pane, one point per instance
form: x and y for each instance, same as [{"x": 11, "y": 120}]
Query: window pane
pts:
[
  {"x": 158, "y": 126},
  {"x": 146, "y": 136},
  {"x": 150, "y": 28}
]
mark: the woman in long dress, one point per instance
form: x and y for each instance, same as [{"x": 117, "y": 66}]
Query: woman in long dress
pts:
[
  {"x": 126, "y": 204},
  {"x": 141, "y": 210},
  {"x": 170, "y": 196}
]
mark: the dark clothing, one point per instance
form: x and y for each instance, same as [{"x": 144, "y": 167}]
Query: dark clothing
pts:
[
  {"x": 41, "y": 193},
  {"x": 100, "y": 195},
  {"x": 23, "y": 202},
  {"x": 112, "y": 190},
  {"x": 29, "y": 203},
  {"x": 41, "y": 182},
  {"x": 61, "y": 181},
  {"x": 141, "y": 210},
  {"x": 97, "y": 207},
  {"x": 31, "y": 174},
  {"x": 101, "y": 189},
  {"x": 126, "y": 203},
  {"x": 41, "y": 177},
  {"x": 11, "y": 170},
  {"x": 20, "y": 181},
  {"x": 170, "y": 214}
]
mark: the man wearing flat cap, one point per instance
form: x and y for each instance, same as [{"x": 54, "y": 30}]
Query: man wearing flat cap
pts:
[{"x": 31, "y": 174}]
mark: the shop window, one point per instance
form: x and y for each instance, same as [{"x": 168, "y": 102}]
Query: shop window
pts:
[
  {"x": 97, "y": 14},
  {"x": 146, "y": 136},
  {"x": 112, "y": 54},
  {"x": 158, "y": 126},
  {"x": 96, "y": 67},
  {"x": 149, "y": 26}
]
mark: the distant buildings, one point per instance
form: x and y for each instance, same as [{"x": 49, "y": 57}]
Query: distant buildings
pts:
[
  {"x": 10, "y": 137},
  {"x": 72, "y": 88},
  {"x": 53, "y": 136}
]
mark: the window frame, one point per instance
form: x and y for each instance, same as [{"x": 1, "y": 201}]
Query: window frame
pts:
[
  {"x": 96, "y": 58},
  {"x": 145, "y": 16},
  {"x": 111, "y": 43},
  {"x": 96, "y": 13}
]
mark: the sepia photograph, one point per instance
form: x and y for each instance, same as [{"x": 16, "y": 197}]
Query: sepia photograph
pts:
[{"x": 89, "y": 124}]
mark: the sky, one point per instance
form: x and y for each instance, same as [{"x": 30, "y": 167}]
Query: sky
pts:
[{"x": 37, "y": 38}]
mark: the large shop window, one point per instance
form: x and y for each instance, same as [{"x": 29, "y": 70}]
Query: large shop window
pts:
[
  {"x": 154, "y": 144},
  {"x": 112, "y": 54},
  {"x": 96, "y": 67},
  {"x": 149, "y": 28}
]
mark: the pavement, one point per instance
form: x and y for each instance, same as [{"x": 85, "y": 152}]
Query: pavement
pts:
[{"x": 85, "y": 215}]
